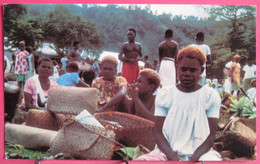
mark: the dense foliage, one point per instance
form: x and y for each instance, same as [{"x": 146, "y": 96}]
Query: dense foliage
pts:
[{"x": 228, "y": 30}]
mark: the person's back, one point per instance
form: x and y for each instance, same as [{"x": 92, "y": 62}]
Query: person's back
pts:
[
  {"x": 168, "y": 48},
  {"x": 71, "y": 78},
  {"x": 168, "y": 51}
]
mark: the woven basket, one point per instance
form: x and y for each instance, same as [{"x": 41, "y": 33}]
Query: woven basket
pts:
[
  {"x": 72, "y": 100},
  {"x": 29, "y": 137},
  {"x": 133, "y": 130},
  {"x": 42, "y": 119},
  {"x": 62, "y": 118},
  {"x": 84, "y": 141}
]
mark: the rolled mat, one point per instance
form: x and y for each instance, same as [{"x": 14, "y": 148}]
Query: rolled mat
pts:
[
  {"x": 130, "y": 130},
  {"x": 84, "y": 141},
  {"x": 29, "y": 137},
  {"x": 72, "y": 100},
  {"x": 44, "y": 119}
]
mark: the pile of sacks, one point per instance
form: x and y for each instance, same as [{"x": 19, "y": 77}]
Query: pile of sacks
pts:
[{"x": 71, "y": 127}]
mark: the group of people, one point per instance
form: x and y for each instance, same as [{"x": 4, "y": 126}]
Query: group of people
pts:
[
  {"x": 239, "y": 79},
  {"x": 173, "y": 95}
]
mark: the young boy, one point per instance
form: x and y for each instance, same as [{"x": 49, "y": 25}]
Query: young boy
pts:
[
  {"x": 142, "y": 93},
  {"x": 71, "y": 78}
]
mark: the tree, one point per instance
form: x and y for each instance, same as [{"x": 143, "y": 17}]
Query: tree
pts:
[
  {"x": 28, "y": 30},
  {"x": 12, "y": 12},
  {"x": 61, "y": 27},
  {"x": 238, "y": 16}
]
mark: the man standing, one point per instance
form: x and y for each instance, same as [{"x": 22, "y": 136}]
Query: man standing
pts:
[
  {"x": 129, "y": 54},
  {"x": 205, "y": 48},
  {"x": 168, "y": 51}
]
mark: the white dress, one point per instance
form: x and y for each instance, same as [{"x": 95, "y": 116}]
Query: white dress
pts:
[{"x": 186, "y": 124}]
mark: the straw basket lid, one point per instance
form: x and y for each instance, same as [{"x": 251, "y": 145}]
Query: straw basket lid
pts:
[
  {"x": 72, "y": 100},
  {"x": 42, "y": 119}
]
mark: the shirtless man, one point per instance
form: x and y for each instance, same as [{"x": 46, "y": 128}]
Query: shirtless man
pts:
[
  {"x": 75, "y": 55},
  {"x": 130, "y": 53},
  {"x": 168, "y": 51}
]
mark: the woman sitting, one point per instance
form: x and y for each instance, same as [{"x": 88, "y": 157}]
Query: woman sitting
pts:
[
  {"x": 186, "y": 115},
  {"x": 36, "y": 88}
]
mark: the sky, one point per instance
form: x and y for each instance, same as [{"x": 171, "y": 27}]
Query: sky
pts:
[{"x": 184, "y": 10}]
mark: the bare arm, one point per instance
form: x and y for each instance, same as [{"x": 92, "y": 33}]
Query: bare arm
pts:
[
  {"x": 120, "y": 56},
  {"x": 28, "y": 101},
  {"x": 119, "y": 96},
  {"x": 207, "y": 144},
  {"x": 162, "y": 142},
  {"x": 141, "y": 109},
  {"x": 82, "y": 84}
]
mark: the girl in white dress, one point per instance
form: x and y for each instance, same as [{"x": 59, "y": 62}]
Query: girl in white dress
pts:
[{"x": 186, "y": 115}]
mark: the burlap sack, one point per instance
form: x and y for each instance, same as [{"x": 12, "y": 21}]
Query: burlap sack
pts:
[
  {"x": 72, "y": 100},
  {"x": 131, "y": 131},
  {"x": 42, "y": 119},
  {"x": 29, "y": 137},
  {"x": 84, "y": 141}
]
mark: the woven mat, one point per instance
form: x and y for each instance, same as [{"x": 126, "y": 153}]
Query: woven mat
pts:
[{"x": 29, "y": 137}]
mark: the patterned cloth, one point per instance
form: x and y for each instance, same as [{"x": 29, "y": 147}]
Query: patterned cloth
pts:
[
  {"x": 130, "y": 71},
  {"x": 21, "y": 65},
  {"x": 108, "y": 89}
]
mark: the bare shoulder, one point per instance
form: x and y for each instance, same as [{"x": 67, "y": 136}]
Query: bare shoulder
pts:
[
  {"x": 173, "y": 42},
  {"x": 137, "y": 43},
  {"x": 162, "y": 44}
]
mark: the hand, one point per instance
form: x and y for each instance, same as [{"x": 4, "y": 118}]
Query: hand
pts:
[{"x": 133, "y": 90}]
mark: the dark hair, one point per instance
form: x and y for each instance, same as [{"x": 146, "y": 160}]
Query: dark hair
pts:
[
  {"x": 168, "y": 33},
  {"x": 200, "y": 36},
  {"x": 132, "y": 29},
  {"x": 75, "y": 43},
  {"x": 146, "y": 57},
  {"x": 44, "y": 58},
  {"x": 74, "y": 66}
]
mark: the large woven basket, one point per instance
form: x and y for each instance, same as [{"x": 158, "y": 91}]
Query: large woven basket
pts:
[
  {"x": 72, "y": 100},
  {"x": 29, "y": 137},
  {"x": 84, "y": 141},
  {"x": 42, "y": 119},
  {"x": 131, "y": 131}
]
